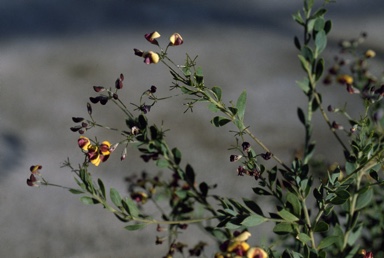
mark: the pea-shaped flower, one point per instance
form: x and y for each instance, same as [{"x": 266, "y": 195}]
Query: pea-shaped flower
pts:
[
  {"x": 151, "y": 37},
  {"x": 151, "y": 57},
  {"x": 175, "y": 39}
]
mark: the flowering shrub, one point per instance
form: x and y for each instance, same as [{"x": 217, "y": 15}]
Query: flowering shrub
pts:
[{"x": 339, "y": 215}]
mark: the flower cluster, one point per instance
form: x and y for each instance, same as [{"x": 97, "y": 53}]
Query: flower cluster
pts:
[
  {"x": 151, "y": 57},
  {"x": 95, "y": 153},
  {"x": 240, "y": 248}
]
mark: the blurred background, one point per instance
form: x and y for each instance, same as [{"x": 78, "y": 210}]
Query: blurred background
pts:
[{"x": 52, "y": 53}]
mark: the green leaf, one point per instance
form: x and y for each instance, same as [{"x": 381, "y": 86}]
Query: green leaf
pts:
[
  {"x": 306, "y": 65},
  {"x": 82, "y": 185},
  {"x": 287, "y": 216},
  {"x": 304, "y": 238},
  {"x": 240, "y": 105},
  {"x": 296, "y": 41},
  {"x": 253, "y": 220},
  {"x": 135, "y": 227},
  {"x": 364, "y": 198},
  {"x": 342, "y": 194},
  {"x": 297, "y": 17},
  {"x": 283, "y": 228},
  {"x": 321, "y": 226},
  {"x": 186, "y": 71},
  {"x": 130, "y": 207},
  {"x": 101, "y": 187},
  {"x": 260, "y": 191},
  {"x": 220, "y": 121},
  {"x": 308, "y": 55},
  {"x": 300, "y": 114},
  {"x": 320, "y": 42},
  {"x": 293, "y": 200},
  {"x": 76, "y": 191},
  {"x": 233, "y": 110},
  {"x": 319, "y": 24},
  {"x": 213, "y": 107},
  {"x": 304, "y": 85},
  {"x": 115, "y": 197},
  {"x": 190, "y": 175},
  {"x": 217, "y": 91},
  {"x": 319, "y": 69},
  {"x": 204, "y": 188},
  {"x": 328, "y": 26},
  {"x": 319, "y": 13},
  {"x": 176, "y": 155},
  {"x": 199, "y": 75},
  {"x": 354, "y": 235},
  {"x": 88, "y": 200},
  {"x": 328, "y": 241},
  {"x": 162, "y": 163},
  {"x": 253, "y": 206}
]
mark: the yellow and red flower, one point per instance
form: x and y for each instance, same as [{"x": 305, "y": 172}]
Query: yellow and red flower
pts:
[
  {"x": 151, "y": 37},
  {"x": 35, "y": 169},
  {"x": 256, "y": 252},
  {"x": 95, "y": 153},
  {"x": 345, "y": 79},
  {"x": 151, "y": 57},
  {"x": 175, "y": 39}
]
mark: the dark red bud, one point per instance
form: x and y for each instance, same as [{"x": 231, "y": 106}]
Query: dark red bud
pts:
[
  {"x": 153, "y": 89},
  {"x": 98, "y": 88},
  {"x": 77, "y": 119},
  {"x": 138, "y": 52},
  {"x": 76, "y": 128},
  {"x": 94, "y": 100},
  {"x": 118, "y": 84},
  {"x": 103, "y": 100}
]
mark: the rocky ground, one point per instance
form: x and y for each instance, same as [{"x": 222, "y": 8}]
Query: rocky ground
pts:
[{"x": 51, "y": 54}]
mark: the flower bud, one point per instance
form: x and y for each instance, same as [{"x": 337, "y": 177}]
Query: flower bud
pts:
[
  {"x": 77, "y": 119},
  {"x": 138, "y": 52},
  {"x": 98, "y": 88},
  {"x": 153, "y": 89}
]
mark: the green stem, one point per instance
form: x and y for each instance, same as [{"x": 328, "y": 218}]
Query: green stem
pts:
[{"x": 308, "y": 222}]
